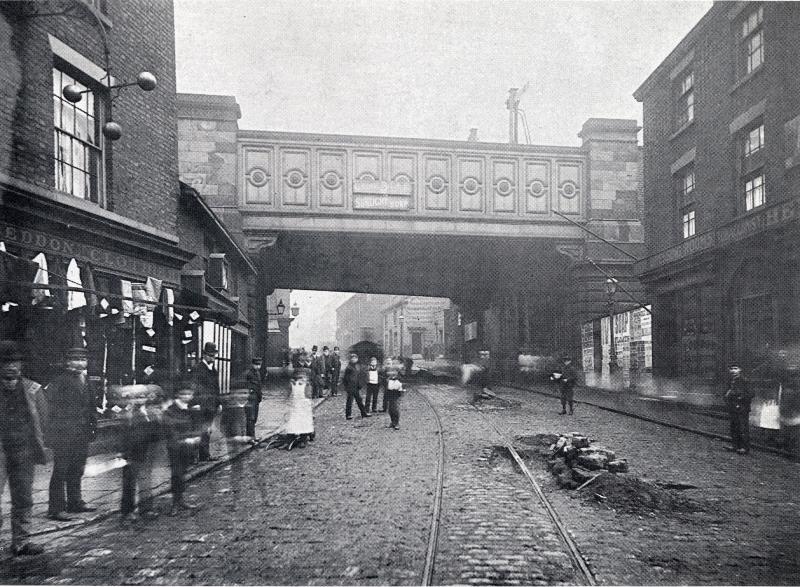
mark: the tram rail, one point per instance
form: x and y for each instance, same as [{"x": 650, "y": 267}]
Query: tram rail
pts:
[{"x": 574, "y": 554}]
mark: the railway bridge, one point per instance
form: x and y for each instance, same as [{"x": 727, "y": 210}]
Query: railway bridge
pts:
[{"x": 516, "y": 235}]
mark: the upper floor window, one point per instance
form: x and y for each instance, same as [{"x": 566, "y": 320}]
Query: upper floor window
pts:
[
  {"x": 77, "y": 144},
  {"x": 685, "y": 104},
  {"x": 754, "y": 192},
  {"x": 754, "y": 140},
  {"x": 689, "y": 226},
  {"x": 752, "y": 41},
  {"x": 684, "y": 183}
]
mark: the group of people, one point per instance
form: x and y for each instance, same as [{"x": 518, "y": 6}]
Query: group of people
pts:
[
  {"x": 320, "y": 372},
  {"x": 62, "y": 416}
]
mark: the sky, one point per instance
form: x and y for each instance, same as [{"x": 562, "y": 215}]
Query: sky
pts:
[{"x": 430, "y": 69}]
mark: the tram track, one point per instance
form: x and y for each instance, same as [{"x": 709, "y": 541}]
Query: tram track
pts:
[{"x": 576, "y": 558}]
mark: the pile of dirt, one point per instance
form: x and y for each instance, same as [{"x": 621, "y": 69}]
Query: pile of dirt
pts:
[
  {"x": 630, "y": 494},
  {"x": 619, "y": 491}
]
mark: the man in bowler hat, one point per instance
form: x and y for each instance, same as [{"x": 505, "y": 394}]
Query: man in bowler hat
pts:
[
  {"x": 73, "y": 422},
  {"x": 206, "y": 379},
  {"x": 23, "y": 412},
  {"x": 254, "y": 397}
]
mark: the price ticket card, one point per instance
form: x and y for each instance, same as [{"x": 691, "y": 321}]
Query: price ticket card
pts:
[{"x": 194, "y": 315}]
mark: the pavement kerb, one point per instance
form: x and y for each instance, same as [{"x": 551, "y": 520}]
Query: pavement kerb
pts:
[
  {"x": 706, "y": 433},
  {"x": 164, "y": 487}
]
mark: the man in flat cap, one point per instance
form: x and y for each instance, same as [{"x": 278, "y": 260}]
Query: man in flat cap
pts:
[
  {"x": 72, "y": 426},
  {"x": 254, "y": 398},
  {"x": 206, "y": 379},
  {"x": 23, "y": 411}
]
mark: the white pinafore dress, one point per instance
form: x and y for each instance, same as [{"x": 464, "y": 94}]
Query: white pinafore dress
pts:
[{"x": 299, "y": 417}]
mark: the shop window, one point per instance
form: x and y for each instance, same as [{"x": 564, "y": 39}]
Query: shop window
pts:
[
  {"x": 751, "y": 41},
  {"x": 754, "y": 191},
  {"x": 684, "y": 111},
  {"x": 77, "y": 141},
  {"x": 689, "y": 227}
]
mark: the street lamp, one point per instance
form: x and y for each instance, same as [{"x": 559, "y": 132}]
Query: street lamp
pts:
[
  {"x": 280, "y": 307},
  {"x": 295, "y": 310},
  {"x": 611, "y": 289}
]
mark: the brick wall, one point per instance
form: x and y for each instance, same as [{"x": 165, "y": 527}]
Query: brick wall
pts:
[
  {"x": 142, "y": 165},
  {"x": 720, "y": 97}
]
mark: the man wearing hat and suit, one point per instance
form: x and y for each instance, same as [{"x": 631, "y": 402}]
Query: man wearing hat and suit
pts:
[
  {"x": 566, "y": 377},
  {"x": 23, "y": 411},
  {"x": 318, "y": 372},
  {"x": 254, "y": 398},
  {"x": 72, "y": 427},
  {"x": 206, "y": 379}
]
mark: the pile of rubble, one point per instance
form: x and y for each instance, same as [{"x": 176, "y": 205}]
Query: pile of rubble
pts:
[{"x": 576, "y": 463}]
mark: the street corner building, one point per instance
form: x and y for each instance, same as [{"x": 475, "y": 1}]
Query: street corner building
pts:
[
  {"x": 721, "y": 182},
  {"x": 101, "y": 245}
]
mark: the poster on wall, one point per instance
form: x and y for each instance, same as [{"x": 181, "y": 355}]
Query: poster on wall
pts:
[
  {"x": 470, "y": 331},
  {"x": 587, "y": 346}
]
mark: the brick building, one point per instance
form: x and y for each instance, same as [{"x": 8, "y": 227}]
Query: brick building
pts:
[
  {"x": 421, "y": 327},
  {"x": 107, "y": 210},
  {"x": 359, "y": 319},
  {"x": 721, "y": 178}
]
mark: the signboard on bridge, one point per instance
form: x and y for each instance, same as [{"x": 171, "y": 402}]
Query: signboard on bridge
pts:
[{"x": 374, "y": 194}]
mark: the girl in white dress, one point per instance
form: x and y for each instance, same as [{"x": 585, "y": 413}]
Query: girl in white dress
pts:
[{"x": 298, "y": 424}]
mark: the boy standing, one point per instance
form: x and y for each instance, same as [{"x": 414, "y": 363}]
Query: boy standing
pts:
[
  {"x": 182, "y": 438},
  {"x": 392, "y": 393}
]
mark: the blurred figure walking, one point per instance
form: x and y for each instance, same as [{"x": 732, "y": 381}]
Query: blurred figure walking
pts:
[{"x": 23, "y": 413}]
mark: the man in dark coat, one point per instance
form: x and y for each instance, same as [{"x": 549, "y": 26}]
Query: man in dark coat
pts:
[
  {"x": 318, "y": 372},
  {"x": 23, "y": 412},
  {"x": 566, "y": 377},
  {"x": 254, "y": 397},
  {"x": 73, "y": 422},
  {"x": 206, "y": 380},
  {"x": 334, "y": 369},
  {"x": 738, "y": 398},
  {"x": 353, "y": 380}
]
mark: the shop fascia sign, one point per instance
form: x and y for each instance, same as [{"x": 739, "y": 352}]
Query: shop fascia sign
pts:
[
  {"x": 34, "y": 240},
  {"x": 739, "y": 229},
  {"x": 374, "y": 194}
]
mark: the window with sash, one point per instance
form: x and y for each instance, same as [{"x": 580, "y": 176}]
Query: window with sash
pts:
[{"x": 77, "y": 140}]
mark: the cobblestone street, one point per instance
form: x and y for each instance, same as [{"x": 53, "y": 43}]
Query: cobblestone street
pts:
[
  {"x": 354, "y": 507},
  {"x": 746, "y": 529}
]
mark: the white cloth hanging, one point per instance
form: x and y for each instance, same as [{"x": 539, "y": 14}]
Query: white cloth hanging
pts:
[
  {"x": 75, "y": 299},
  {"x": 3, "y": 247},
  {"x": 169, "y": 296},
  {"x": 42, "y": 277},
  {"x": 126, "y": 287}
]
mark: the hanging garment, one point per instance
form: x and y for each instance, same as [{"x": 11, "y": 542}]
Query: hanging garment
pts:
[
  {"x": 75, "y": 299},
  {"x": 126, "y": 288},
  {"x": 169, "y": 301},
  {"x": 42, "y": 277}
]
